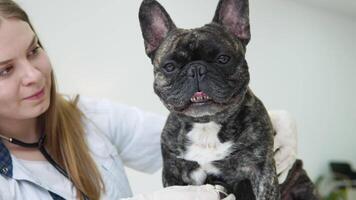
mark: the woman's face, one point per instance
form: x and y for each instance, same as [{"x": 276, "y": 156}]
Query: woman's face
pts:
[{"x": 25, "y": 72}]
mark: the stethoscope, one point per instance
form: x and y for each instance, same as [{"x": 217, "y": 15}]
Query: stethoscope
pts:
[{"x": 42, "y": 149}]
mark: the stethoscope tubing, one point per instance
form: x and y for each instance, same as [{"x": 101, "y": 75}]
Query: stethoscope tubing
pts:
[{"x": 42, "y": 149}]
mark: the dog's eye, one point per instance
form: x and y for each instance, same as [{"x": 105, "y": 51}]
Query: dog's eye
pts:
[
  {"x": 223, "y": 59},
  {"x": 169, "y": 67}
]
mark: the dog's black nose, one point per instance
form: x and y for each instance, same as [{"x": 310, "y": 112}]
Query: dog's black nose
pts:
[{"x": 197, "y": 70}]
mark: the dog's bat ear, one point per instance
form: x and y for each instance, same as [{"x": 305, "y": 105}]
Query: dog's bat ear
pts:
[
  {"x": 155, "y": 24},
  {"x": 234, "y": 16}
]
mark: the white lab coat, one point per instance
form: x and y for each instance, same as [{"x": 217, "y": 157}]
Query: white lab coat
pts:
[{"x": 117, "y": 135}]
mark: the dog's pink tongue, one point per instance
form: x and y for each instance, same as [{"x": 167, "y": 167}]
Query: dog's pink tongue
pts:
[{"x": 199, "y": 94}]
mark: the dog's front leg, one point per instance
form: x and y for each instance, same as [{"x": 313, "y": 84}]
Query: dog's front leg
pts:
[
  {"x": 268, "y": 188},
  {"x": 176, "y": 171}
]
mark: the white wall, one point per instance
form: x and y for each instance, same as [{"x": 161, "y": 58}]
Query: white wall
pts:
[{"x": 301, "y": 59}]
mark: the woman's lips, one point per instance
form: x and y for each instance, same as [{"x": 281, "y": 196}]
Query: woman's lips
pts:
[{"x": 36, "y": 96}]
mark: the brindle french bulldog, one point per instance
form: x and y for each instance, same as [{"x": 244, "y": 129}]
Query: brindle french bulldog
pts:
[{"x": 218, "y": 131}]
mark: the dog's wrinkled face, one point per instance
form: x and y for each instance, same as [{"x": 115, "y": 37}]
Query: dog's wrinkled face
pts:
[{"x": 198, "y": 72}]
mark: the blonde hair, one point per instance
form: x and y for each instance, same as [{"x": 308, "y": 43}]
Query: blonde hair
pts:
[{"x": 62, "y": 124}]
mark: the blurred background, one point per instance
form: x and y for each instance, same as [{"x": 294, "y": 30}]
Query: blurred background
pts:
[{"x": 302, "y": 58}]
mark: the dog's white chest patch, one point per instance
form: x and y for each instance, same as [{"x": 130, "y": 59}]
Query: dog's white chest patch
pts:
[{"x": 204, "y": 148}]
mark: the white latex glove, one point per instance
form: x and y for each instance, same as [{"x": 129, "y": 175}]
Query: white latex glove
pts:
[
  {"x": 202, "y": 192},
  {"x": 285, "y": 142}
]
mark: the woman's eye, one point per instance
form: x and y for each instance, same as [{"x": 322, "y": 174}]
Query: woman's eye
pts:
[
  {"x": 34, "y": 51},
  {"x": 223, "y": 59},
  {"x": 169, "y": 67},
  {"x": 5, "y": 71}
]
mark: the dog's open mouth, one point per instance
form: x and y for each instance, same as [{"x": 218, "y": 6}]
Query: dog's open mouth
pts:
[{"x": 200, "y": 97}]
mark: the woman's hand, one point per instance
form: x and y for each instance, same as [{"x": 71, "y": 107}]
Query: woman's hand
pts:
[
  {"x": 285, "y": 142},
  {"x": 202, "y": 192}
]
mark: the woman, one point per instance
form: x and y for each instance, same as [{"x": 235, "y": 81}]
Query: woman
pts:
[{"x": 54, "y": 147}]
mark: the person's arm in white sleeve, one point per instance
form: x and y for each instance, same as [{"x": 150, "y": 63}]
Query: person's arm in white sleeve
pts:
[
  {"x": 136, "y": 135},
  {"x": 285, "y": 142}
]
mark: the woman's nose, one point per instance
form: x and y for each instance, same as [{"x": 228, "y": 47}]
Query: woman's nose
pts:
[{"x": 31, "y": 74}]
